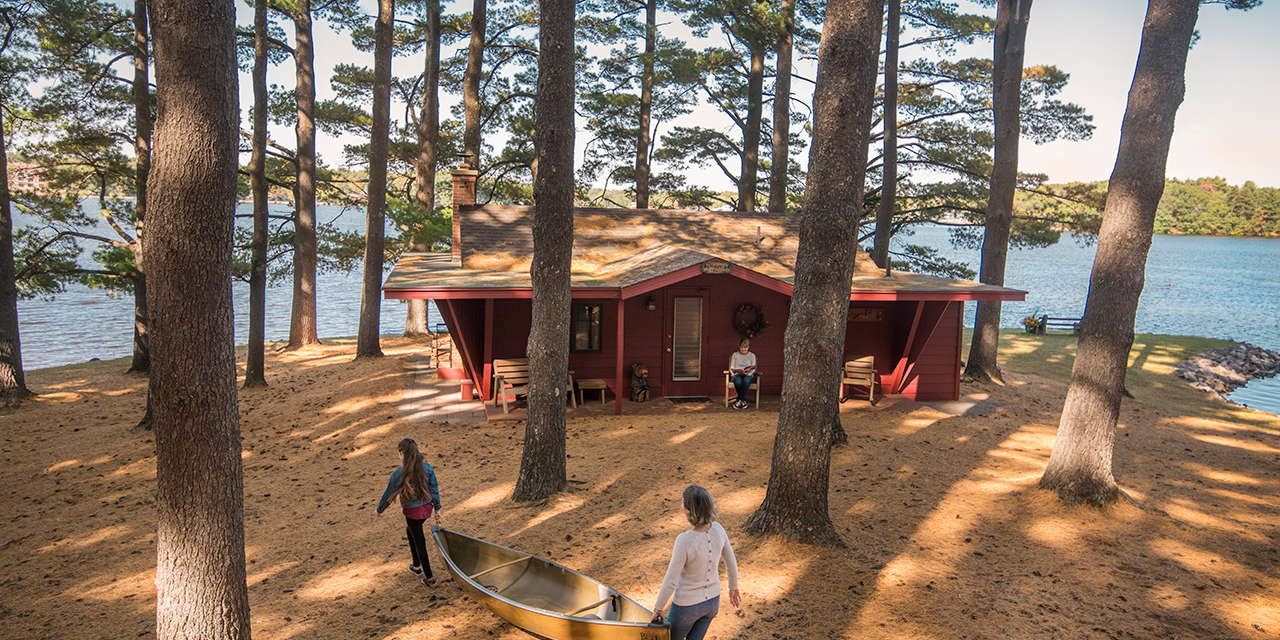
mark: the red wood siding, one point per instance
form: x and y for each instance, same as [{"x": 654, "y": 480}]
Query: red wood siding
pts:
[{"x": 936, "y": 372}]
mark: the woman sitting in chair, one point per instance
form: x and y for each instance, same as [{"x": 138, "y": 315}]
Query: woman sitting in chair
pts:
[{"x": 742, "y": 366}]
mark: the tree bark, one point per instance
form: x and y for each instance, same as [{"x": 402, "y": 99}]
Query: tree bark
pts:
[
  {"x": 367, "y": 338},
  {"x": 781, "y": 155},
  {"x": 142, "y": 169},
  {"x": 889, "y": 188},
  {"x": 13, "y": 381},
  {"x": 542, "y": 466},
  {"x": 302, "y": 322},
  {"x": 200, "y": 560},
  {"x": 415, "y": 321},
  {"x": 471, "y": 86},
  {"x": 751, "y": 135},
  {"x": 1012, "y": 17},
  {"x": 256, "y": 362},
  {"x": 645, "y": 129},
  {"x": 1079, "y": 469},
  {"x": 795, "y": 502}
]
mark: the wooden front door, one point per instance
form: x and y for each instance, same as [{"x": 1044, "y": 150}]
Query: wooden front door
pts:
[{"x": 685, "y": 343}]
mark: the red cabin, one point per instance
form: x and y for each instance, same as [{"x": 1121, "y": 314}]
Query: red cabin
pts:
[{"x": 676, "y": 290}]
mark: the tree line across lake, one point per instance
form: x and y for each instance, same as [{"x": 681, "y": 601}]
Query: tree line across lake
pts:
[{"x": 1194, "y": 207}]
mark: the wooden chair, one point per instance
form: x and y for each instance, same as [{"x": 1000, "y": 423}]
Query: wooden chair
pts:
[
  {"x": 730, "y": 389},
  {"x": 511, "y": 378},
  {"x": 859, "y": 372}
]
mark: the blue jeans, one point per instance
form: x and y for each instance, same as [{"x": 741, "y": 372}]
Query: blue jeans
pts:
[
  {"x": 743, "y": 384},
  {"x": 691, "y": 622}
]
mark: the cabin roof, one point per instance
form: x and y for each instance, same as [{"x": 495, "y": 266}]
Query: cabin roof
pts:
[{"x": 622, "y": 248}]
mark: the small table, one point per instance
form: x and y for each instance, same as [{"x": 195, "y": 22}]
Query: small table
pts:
[{"x": 591, "y": 383}]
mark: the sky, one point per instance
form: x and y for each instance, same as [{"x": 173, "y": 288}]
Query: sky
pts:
[{"x": 1227, "y": 125}]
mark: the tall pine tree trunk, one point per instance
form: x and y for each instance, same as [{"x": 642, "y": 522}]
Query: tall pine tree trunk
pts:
[
  {"x": 645, "y": 128},
  {"x": 415, "y": 321},
  {"x": 889, "y": 190},
  {"x": 542, "y": 466},
  {"x": 781, "y": 155},
  {"x": 1079, "y": 468},
  {"x": 142, "y": 169},
  {"x": 471, "y": 86},
  {"x": 367, "y": 341},
  {"x": 751, "y": 134},
  {"x": 302, "y": 322},
  {"x": 795, "y": 502},
  {"x": 1012, "y": 17},
  {"x": 200, "y": 558},
  {"x": 13, "y": 381},
  {"x": 255, "y": 370}
]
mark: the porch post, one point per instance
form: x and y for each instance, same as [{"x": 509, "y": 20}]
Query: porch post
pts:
[
  {"x": 617, "y": 395},
  {"x": 487, "y": 366}
]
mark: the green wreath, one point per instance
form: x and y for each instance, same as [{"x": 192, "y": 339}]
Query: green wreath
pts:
[{"x": 749, "y": 320}]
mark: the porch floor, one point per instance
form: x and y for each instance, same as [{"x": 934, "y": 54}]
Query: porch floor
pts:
[{"x": 428, "y": 399}]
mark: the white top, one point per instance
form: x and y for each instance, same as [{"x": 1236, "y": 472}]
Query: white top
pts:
[
  {"x": 742, "y": 360},
  {"x": 694, "y": 573}
]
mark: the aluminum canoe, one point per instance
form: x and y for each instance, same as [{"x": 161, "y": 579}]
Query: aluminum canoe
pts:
[{"x": 542, "y": 597}]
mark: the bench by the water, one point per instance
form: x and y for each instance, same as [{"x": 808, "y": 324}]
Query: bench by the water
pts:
[{"x": 1060, "y": 324}]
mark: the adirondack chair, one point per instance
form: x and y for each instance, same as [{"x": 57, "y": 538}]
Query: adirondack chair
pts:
[
  {"x": 729, "y": 388},
  {"x": 859, "y": 372},
  {"x": 511, "y": 378}
]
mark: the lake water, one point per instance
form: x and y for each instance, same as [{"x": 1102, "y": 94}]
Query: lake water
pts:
[
  {"x": 1225, "y": 288},
  {"x": 1213, "y": 287},
  {"x": 85, "y": 323}
]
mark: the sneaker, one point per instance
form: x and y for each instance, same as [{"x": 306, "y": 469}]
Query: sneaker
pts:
[
  {"x": 429, "y": 581},
  {"x": 739, "y": 405},
  {"x": 415, "y": 570}
]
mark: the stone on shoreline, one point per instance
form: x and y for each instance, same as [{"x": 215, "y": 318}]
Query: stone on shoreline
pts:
[{"x": 1220, "y": 371}]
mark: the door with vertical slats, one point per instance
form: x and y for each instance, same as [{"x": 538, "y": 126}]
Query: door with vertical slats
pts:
[{"x": 686, "y": 340}]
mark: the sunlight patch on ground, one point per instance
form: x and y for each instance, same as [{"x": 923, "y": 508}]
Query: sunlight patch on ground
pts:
[
  {"x": 1198, "y": 560},
  {"x": 1186, "y": 511},
  {"x": 368, "y": 448},
  {"x": 348, "y": 580},
  {"x": 681, "y": 438},
  {"x": 559, "y": 507},
  {"x": 612, "y": 521},
  {"x": 101, "y": 535},
  {"x": 604, "y": 484},
  {"x": 1243, "y": 497},
  {"x": 1226, "y": 477},
  {"x": 740, "y": 503},
  {"x": 911, "y": 425},
  {"x": 139, "y": 584},
  {"x": 488, "y": 498},
  {"x": 63, "y": 465},
  {"x": 257, "y": 574},
  {"x": 1252, "y": 616},
  {"x": 1256, "y": 447},
  {"x": 245, "y": 454}
]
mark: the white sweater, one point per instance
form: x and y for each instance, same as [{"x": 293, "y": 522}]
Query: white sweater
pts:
[
  {"x": 694, "y": 573},
  {"x": 742, "y": 361}
]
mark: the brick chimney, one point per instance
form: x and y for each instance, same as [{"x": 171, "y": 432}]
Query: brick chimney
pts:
[{"x": 464, "y": 199}]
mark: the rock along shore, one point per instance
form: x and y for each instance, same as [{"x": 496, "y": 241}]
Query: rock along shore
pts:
[{"x": 1221, "y": 371}]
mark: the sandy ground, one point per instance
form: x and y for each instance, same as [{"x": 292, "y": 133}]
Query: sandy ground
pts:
[{"x": 947, "y": 535}]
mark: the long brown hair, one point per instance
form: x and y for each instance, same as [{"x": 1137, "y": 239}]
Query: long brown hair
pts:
[
  {"x": 413, "y": 481},
  {"x": 701, "y": 506}
]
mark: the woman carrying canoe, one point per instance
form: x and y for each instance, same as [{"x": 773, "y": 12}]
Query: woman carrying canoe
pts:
[
  {"x": 693, "y": 577},
  {"x": 415, "y": 483}
]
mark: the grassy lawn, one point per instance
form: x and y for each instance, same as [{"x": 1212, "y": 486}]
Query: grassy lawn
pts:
[{"x": 1151, "y": 362}]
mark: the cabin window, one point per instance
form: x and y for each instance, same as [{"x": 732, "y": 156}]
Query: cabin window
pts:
[{"x": 585, "y": 329}]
